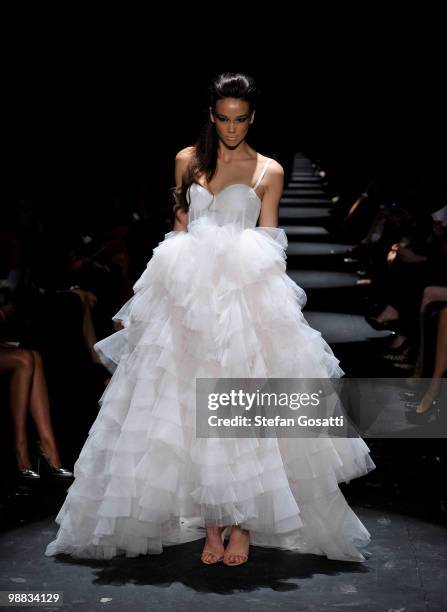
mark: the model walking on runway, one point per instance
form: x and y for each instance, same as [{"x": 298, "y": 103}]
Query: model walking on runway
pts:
[{"x": 214, "y": 301}]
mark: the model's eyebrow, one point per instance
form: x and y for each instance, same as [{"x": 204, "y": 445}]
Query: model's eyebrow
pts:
[{"x": 226, "y": 116}]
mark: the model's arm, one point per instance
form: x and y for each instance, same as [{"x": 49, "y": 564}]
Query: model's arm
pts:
[
  {"x": 274, "y": 185},
  {"x": 181, "y": 162}
]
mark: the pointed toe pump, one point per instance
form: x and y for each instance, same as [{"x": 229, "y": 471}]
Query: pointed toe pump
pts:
[{"x": 53, "y": 471}]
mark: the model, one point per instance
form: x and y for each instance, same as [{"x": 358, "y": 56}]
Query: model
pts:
[{"x": 214, "y": 301}]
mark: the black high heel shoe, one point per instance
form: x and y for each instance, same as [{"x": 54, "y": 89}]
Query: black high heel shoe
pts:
[
  {"x": 27, "y": 474},
  {"x": 54, "y": 472}
]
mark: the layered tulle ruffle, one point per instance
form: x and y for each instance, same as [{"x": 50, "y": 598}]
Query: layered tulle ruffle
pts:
[{"x": 213, "y": 302}]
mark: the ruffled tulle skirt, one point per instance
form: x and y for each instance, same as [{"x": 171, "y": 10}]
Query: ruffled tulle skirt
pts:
[{"x": 215, "y": 301}]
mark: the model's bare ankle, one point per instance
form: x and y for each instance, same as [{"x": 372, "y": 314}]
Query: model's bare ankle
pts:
[
  {"x": 238, "y": 546},
  {"x": 50, "y": 450},
  {"x": 214, "y": 529},
  {"x": 239, "y": 529}
]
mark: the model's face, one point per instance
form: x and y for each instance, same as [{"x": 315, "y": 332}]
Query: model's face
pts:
[{"x": 232, "y": 119}]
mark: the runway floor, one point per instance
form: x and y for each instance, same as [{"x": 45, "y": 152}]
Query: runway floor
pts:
[{"x": 406, "y": 571}]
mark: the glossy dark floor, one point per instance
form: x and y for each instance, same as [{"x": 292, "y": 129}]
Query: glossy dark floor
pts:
[{"x": 404, "y": 572}]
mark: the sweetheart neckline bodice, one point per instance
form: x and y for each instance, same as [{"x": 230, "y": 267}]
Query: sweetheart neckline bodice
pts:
[{"x": 215, "y": 195}]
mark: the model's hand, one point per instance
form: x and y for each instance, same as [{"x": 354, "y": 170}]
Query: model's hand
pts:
[{"x": 181, "y": 219}]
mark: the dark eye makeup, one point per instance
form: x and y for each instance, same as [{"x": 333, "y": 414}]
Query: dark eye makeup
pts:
[{"x": 238, "y": 119}]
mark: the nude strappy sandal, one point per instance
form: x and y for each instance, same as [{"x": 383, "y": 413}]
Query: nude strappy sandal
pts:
[
  {"x": 244, "y": 558},
  {"x": 225, "y": 534}
]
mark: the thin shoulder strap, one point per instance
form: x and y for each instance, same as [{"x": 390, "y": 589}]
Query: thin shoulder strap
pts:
[{"x": 262, "y": 174}]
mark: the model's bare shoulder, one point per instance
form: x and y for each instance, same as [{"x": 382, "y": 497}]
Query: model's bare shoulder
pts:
[
  {"x": 275, "y": 167},
  {"x": 182, "y": 160},
  {"x": 274, "y": 177},
  {"x": 273, "y": 183},
  {"x": 186, "y": 153}
]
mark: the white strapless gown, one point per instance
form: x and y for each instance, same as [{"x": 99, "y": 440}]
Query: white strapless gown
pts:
[{"x": 214, "y": 301}]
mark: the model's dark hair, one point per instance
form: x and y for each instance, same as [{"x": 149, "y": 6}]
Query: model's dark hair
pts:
[{"x": 204, "y": 159}]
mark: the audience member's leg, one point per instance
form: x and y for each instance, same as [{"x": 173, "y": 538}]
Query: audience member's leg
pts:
[
  {"x": 440, "y": 366},
  {"x": 40, "y": 411},
  {"x": 420, "y": 360},
  {"x": 20, "y": 364}
]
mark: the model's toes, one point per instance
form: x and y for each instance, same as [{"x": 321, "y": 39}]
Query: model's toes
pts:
[{"x": 211, "y": 557}]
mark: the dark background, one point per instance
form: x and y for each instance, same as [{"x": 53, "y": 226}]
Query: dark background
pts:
[{"x": 98, "y": 105}]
